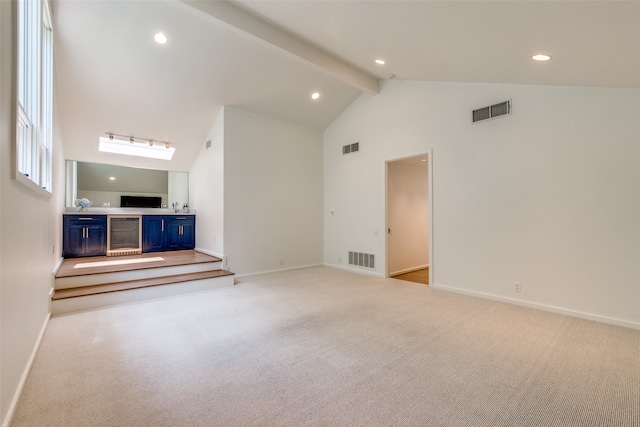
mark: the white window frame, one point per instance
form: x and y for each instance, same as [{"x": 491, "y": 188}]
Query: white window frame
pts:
[{"x": 34, "y": 133}]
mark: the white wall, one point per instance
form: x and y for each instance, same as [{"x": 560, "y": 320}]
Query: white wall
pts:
[
  {"x": 272, "y": 193},
  {"x": 408, "y": 217},
  {"x": 206, "y": 191},
  {"x": 30, "y": 226},
  {"x": 547, "y": 196}
]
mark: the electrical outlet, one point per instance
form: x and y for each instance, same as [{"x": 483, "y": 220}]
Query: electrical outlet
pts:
[
  {"x": 339, "y": 260},
  {"x": 281, "y": 261},
  {"x": 517, "y": 287}
]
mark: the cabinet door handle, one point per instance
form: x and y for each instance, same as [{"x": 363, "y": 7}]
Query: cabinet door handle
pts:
[
  {"x": 83, "y": 232},
  {"x": 162, "y": 225},
  {"x": 84, "y": 218},
  {"x": 87, "y": 233}
]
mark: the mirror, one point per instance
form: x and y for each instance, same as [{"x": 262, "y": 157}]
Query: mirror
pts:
[{"x": 105, "y": 184}]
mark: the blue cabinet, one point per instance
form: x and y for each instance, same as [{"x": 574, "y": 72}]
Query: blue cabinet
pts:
[
  {"x": 153, "y": 233},
  {"x": 181, "y": 232},
  {"x": 84, "y": 235},
  {"x": 168, "y": 232}
]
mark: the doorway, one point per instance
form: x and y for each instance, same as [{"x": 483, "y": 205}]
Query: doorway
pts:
[{"x": 409, "y": 237}]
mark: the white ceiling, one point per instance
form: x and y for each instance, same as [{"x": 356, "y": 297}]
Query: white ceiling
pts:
[{"x": 112, "y": 77}]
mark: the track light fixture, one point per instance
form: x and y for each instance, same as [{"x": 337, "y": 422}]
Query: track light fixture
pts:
[
  {"x": 136, "y": 146},
  {"x": 132, "y": 139}
]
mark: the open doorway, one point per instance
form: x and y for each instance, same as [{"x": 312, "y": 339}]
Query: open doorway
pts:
[{"x": 408, "y": 204}]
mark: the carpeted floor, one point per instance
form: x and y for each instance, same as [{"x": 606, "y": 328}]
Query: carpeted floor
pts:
[{"x": 323, "y": 347}]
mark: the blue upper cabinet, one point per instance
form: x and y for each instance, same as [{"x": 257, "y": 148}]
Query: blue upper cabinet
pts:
[
  {"x": 84, "y": 235},
  {"x": 168, "y": 233}
]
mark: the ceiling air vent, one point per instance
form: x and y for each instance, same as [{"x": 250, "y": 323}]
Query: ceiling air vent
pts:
[
  {"x": 491, "y": 112},
  {"x": 351, "y": 148}
]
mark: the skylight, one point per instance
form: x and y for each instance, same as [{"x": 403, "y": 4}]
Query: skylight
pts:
[{"x": 150, "y": 150}]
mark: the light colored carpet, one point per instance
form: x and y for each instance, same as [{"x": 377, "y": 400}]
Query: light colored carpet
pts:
[{"x": 323, "y": 347}]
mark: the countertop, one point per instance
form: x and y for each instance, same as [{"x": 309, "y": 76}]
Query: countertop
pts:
[{"x": 126, "y": 211}]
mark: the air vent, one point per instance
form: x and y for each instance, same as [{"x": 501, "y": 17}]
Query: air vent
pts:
[
  {"x": 491, "y": 112},
  {"x": 481, "y": 114},
  {"x": 362, "y": 260},
  {"x": 125, "y": 252},
  {"x": 351, "y": 148}
]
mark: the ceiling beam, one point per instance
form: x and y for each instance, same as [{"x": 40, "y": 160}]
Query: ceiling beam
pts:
[{"x": 236, "y": 19}]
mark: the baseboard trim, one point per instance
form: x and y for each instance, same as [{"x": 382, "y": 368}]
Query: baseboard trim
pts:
[
  {"x": 355, "y": 270},
  {"x": 217, "y": 255},
  {"x": 408, "y": 270},
  {"x": 281, "y": 270},
  {"x": 204, "y": 251},
  {"x": 57, "y": 266},
  {"x": 25, "y": 374},
  {"x": 544, "y": 307}
]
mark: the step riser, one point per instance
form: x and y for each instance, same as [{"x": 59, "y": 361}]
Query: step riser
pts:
[
  {"x": 123, "y": 276},
  {"x": 136, "y": 295}
]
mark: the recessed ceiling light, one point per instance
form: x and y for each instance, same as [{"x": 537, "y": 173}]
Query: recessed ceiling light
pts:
[
  {"x": 379, "y": 61},
  {"x": 112, "y": 178},
  {"x": 160, "y": 38},
  {"x": 541, "y": 57},
  {"x": 315, "y": 95}
]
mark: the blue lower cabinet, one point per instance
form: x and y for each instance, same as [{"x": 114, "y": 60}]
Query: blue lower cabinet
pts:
[
  {"x": 153, "y": 235},
  {"x": 168, "y": 232},
  {"x": 181, "y": 232},
  {"x": 84, "y": 235}
]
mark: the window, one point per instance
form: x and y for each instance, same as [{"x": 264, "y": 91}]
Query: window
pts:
[{"x": 35, "y": 94}]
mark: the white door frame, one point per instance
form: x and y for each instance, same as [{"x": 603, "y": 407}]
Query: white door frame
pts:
[{"x": 429, "y": 154}]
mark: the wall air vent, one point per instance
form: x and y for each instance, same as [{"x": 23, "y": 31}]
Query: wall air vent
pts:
[
  {"x": 491, "y": 112},
  {"x": 351, "y": 148},
  {"x": 362, "y": 260}
]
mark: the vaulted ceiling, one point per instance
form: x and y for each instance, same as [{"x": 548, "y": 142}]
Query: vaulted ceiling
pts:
[{"x": 268, "y": 57}]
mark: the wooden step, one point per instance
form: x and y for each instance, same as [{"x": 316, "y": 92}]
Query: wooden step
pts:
[
  {"x": 135, "y": 284},
  {"x": 106, "y": 264},
  {"x": 95, "y": 282},
  {"x": 81, "y": 272},
  {"x": 137, "y": 291}
]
